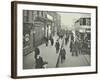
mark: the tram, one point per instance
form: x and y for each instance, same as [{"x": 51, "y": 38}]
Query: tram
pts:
[{"x": 83, "y": 32}]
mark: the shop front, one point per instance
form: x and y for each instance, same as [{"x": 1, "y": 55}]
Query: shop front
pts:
[
  {"x": 49, "y": 26},
  {"x": 27, "y": 38}
]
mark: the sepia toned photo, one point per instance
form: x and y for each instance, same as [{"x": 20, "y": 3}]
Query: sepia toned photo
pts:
[
  {"x": 53, "y": 39},
  {"x": 56, "y": 39}
]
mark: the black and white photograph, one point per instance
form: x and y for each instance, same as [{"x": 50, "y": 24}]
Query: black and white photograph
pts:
[
  {"x": 56, "y": 39},
  {"x": 53, "y": 39}
]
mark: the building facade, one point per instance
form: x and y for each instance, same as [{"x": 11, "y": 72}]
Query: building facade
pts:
[{"x": 36, "y": 26}]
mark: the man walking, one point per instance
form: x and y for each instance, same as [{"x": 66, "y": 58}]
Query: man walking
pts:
[
  {"x": 52, "y": 41},
  {"x": 62, "y": 54},
  {"x": 57, "y": 45}
]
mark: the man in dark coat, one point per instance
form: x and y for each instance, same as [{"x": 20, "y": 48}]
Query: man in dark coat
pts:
[
  {"x": 66, "y": 39},
  {"x": 72, "y": 37},
  {"x": 46, "y": 41},
  {"x": 57, "y": 45},
  {"x": 62, "y": 54},
  {"x": 71, "y": 44},
  {"x": 79, "y": 46},
  {"x": 75, "y": 48},
  {"x": 52, "y": 41}
]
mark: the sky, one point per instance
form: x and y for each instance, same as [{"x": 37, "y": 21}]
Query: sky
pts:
[{"x": 68, "y": 19}]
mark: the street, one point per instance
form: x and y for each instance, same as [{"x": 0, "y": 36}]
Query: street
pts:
[
  {"x": 75, "y": 61},
  {"x": 49, "y": 54}
]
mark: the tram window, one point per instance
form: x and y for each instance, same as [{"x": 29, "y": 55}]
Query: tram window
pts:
[
  {"x": 84, "y": 21},
  {"x": 81, "y": 21}
]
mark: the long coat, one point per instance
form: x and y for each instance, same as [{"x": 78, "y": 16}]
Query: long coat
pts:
[
  {"x": 57, "y": 45},
  {"x": 63, "y": 53},
  {"x": 52, "y": 41},
  {"x": 71, "y": 44},
  {"x": 75, "y": 46}
]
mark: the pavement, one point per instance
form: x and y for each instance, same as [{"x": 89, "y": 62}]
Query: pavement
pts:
[{"x": 48, "y": 53}]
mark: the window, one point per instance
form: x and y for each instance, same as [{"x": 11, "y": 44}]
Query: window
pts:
[
  {"x": 84, "y": 21},
  {"x": 26, "y": 15},
  {"x": 42, "y": 13},
  {"x": 88, "y": 21},
  {"x": 37, "y": 13},
  {"x": 81, "y": 21}
]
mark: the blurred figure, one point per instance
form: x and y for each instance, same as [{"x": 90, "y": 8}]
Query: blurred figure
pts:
[
  {"x": 75, "y": 48},
  {"x": 57, "y": 45},
  {"x": 72, "y": 48},
  {"x": 72, "y": 37},
  {"x": 62, "y": 54},
  {"x": 39, "y": 60},
  {"x": 46, "y": 41},
  {"x": 66, "y": 39},
  {"x": 52, "y": 41},
  {"x": 71, "y": 42},
  {"x": 80, "y": 47}
]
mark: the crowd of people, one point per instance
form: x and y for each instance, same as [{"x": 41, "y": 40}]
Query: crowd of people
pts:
[
  {"x": 39, "y": 63},
  {"x": 75, "y": 47}
]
